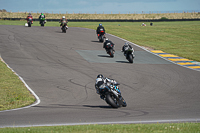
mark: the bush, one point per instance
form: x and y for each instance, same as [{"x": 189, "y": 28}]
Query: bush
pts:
[
  {"x": 164, "y": 18},
  {"x": 3, "y": 10}
]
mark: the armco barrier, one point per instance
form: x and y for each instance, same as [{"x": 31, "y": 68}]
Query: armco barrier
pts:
[{"x": 109, "y": 20}]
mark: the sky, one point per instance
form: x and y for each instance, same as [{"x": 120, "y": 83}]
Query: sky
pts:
[{"x": 100, "y": 6}]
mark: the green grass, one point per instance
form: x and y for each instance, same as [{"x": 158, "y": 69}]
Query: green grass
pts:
[
  {"x": 116, "y": 128},
  {"x": 179, "y": 38},
  {"x": 13, "y": 93}
]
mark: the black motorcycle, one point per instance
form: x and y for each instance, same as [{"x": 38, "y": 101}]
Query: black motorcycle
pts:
[
  {"x": 29, "y": 22},
  {"x": 101, "y": 36},
  {"x": 129, "y": 54},
  {"x": 112, "y": 95},
  {"x": 109, "y": 47},
  {"x": 64, "y": 28}
]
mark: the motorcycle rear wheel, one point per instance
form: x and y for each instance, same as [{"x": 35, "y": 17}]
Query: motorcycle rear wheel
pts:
[
  {"x": 110, "y": 101},
  {"x": 29, "y": 24},
  {"x": 101, "y": 39},
  {"x": 130, "y": 58},
  {"x": 111, "y": 53}
]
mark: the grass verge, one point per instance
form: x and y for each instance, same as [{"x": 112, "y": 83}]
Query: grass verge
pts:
[
  {"x": 13, "y": 93},
  {"x": 116, "y": 128}
]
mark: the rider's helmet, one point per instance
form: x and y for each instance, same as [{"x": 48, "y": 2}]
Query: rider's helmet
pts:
[
  {"x": 126, "y": 44},
  {"x": 100, "y": 76},
  {"x": 29, "y": 14},
  {"x": 100, "y": 24},
  {"x": 107, "y": 39},
  {"x": 63, "y": 17}
]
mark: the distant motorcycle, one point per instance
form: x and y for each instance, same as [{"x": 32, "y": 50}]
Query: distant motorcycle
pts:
[
  {"x": 129, "y": 53},
  {"x": 113, "y": 95},
  {"x": 109, "y": 47},
  {"x": 101, "y": 36},
  {"x": 42, "y": 21},
  {"x": 29, "y": 21},
  {"x": 64, "y": 28}
]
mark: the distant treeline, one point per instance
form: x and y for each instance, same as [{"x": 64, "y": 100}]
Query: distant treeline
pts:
[
  {"x": 3, "y": 10},
  {"x": 105, "y": 17}
]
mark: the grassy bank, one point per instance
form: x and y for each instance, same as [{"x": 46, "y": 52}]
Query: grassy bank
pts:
[
  {"x": 127, "y": 128},
  {"x": 105, "y": 16},
  {"x": 13, "y": 93}
]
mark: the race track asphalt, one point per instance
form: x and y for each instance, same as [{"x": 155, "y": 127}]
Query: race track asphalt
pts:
[{"x": 61, "y": 69}]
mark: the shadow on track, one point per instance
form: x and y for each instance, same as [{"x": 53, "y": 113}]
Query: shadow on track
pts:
[
  {"x": 123, "y": 62},
  {"x": 107, "y": 56},
  {"x": 71, "y": 106},
  {"x": 90, "y": 106},
  {"x": 97, "y": 41}
]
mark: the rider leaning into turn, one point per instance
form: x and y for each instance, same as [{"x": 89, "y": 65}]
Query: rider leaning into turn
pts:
[
  {"x": 101, "y": 83},
  {"x": 29, "y": 16},
  {"x": 126, "y": 47},
  {"x": 107, "y": 41},
  {"x": 100, "y": 28},
  {"x": 63, "y": 21},
  {"x": 41, "y": 16}
]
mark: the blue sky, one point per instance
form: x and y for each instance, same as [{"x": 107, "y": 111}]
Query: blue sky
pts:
[{"x": 100, "y": 6}]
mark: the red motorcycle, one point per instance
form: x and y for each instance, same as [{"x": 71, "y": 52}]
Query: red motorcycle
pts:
[
  {"x": 101, "y": 36},
  {"x": 29, "y": 21}
]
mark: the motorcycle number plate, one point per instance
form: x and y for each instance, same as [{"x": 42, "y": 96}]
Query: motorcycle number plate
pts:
[{"x": 126, "y": 48}]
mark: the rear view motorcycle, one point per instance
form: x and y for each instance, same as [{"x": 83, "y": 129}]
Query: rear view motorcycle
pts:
[
  {"x": 64, "y": 27},
  {"x": 130, "y": 55},
  {"x": 100, "y": 33},
  {"x": 42, "y": 21},
  {"x": 101, "y": 36},
  {"x": 109, "y": 47},
  {"x": 128, "y": 52},
  {"x": 29, "y": 21},
  {"x": 113, "y": 95}
]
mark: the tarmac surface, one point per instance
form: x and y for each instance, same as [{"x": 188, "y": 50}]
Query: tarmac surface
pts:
[{"x": 61, "y": 69}]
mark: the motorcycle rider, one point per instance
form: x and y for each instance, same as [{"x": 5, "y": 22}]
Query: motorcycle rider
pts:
[
  {"x": 41, "y": 17},
  {"x": 29, "y": 16},
  {"x": 106, "y": 42},
  {"x": 99, "y": 29},
  {"x": 101, "y": 83},
  {"x": 63, "y": 22},
  {"x": 126, "y": 47}
]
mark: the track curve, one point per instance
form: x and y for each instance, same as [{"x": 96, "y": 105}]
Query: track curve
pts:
[{"x": 61, "y": 69}]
